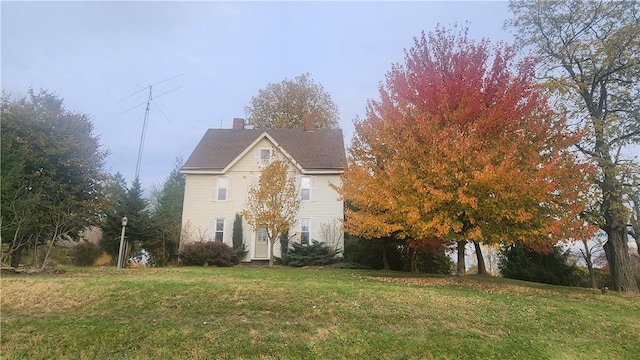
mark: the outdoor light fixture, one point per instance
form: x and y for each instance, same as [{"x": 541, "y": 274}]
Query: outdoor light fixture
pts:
[{"x": 124, "y": 225}]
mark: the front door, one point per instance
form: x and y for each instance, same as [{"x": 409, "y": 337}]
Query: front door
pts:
[{"x": 262, "y": 244}]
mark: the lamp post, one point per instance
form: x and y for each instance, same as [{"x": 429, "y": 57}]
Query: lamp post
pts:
[{"x": 124, "y": 225}]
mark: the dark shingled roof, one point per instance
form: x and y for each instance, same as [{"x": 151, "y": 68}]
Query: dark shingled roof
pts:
[{"x": 321, "y": 149}]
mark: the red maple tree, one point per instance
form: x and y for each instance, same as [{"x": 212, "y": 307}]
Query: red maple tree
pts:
[{"x": 462, "y": 146}]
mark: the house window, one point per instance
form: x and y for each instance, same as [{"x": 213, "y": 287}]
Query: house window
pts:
[
  {"x": 219, "y": 234},
  {"x": 308, "y": 188},
  {"x": 262, "y": 235},
  {"x": 305, "y": 231},
  {"x": 223, "y": 185},
  {"x": 305, "y": 187},
  {"x": 262, "y": 156},
  {"x": 222, "y": 188},
  {"x": 265, "y": 156}
]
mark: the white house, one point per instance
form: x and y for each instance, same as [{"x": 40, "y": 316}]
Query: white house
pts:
[{"x": 227, "y": 161}]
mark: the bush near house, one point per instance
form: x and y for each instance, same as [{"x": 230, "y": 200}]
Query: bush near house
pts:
[
  {"x": 239, "y": 248},
  {"x": 237, "y": 254},
  {"x": 315, "y": 254},
  {"x": 85, "y": 254},
  {"x": 209, "y": 253}
]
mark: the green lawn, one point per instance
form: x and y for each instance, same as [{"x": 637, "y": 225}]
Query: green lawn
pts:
[{"x": 310, "y": 313}]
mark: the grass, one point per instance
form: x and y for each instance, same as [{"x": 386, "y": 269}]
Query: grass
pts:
[{"x": 310, "y": 313}]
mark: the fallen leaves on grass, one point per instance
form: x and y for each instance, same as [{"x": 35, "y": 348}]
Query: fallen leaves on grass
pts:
[{"x": 484, "y": 286}]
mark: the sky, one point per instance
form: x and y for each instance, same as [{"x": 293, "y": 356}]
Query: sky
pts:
[{"x": 205, "y": 60}]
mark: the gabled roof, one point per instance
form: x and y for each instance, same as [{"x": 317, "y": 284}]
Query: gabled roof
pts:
[{"x": 312, "y": 151}]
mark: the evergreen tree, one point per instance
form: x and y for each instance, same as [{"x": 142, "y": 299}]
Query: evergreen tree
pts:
[
  {"x": 115, "y": 192},
  {"x": 129, "y": 203},
  {"x": 518, "y": 262},
  {"x": 239, "y": 249},
  {"x": 162, "y": 248}
]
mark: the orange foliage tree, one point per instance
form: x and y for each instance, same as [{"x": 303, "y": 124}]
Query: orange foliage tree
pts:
[
  {"x": 273, "y": 203},
  {"x": 462, "y": 146}
]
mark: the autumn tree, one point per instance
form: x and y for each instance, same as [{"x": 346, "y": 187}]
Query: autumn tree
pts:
[
  {"x": 51, "y": 173},
  {"x": 273, "y": 203},
  {"x": 589, "y": 54},
  {"x": 462, "y": 147},
  {"x": 290, "y": 103}
]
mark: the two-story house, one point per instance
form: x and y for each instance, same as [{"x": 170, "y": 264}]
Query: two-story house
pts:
[{"x": 227, "y": 162}]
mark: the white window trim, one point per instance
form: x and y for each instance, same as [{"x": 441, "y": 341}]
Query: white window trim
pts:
[
  {"x": 227, "y": 227},
  {"x": 313, "y": 188},
  {"x": 215, "y": 229},
  {"x": 215, "y": 187},
  {"x": 257, "y": 156}
]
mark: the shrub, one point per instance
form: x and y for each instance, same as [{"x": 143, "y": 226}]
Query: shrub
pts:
[
  {"x": 238, "y": 254},
  {"x": 284, "y": 243},
  {"x": 237, "y": 232},
  {"x": 370, "y": 253},
  {"x": 239, "y": 249},
  {"x": 518, "y": 262},
  {"x": 315, "y": 254},
  {"x": 367, "y": 253},
  {"x": 211, "y": 253},
  {"x": 432, "y": 262},
  {"x": 85, "y": 254},
  {"x": 425, "y": 256}
]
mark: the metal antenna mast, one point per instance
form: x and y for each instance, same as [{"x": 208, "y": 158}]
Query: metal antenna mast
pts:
[
  {"x": 150, "y": 98},
  {"x": 144, "y": 132}
]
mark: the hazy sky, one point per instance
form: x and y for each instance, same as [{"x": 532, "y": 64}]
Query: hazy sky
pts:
[{"x": 96, "y": 54}]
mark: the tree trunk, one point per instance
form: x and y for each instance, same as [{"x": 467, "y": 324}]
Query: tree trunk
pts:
[
  {"x": 45, "y": 258},
  {"x": 588, "y": 258},
  {"x": 635, "y": 220},
  {"x": 127, "y": 254},
  {"x": 636, "y": 234},
  {"x": 617, "y": 251},
  {"x": 482, "y": 269},
  {"x": 461, "y": 268},
  {"x": 16, "y": 257},
  {"x": 592, "y": 274},
  {"x": 616, "y": 248},
  {"x": 271, "y": 243},
  {"x": 385, "y": 258}
]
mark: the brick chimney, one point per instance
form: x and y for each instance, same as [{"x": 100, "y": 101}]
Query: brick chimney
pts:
[
  {"x": 238, "y": 124},
  {"x": 309, "y": 124}
]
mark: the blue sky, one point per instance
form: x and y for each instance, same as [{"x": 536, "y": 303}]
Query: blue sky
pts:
[{"x": 96, "y": 54}]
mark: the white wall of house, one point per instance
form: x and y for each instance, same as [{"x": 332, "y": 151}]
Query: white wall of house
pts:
[{"x": 202, "y": 209}]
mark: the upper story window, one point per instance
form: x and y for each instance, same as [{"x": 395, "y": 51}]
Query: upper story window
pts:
[
  {"x": 263, "y": 156},
  {"x": 305, "y": 187},
  {"x": 222, "y": 188},
  {"x": 308, "y": 188}
]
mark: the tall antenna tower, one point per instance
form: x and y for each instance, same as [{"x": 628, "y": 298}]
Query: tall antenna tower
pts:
[{"x": 145, "y": 122}]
